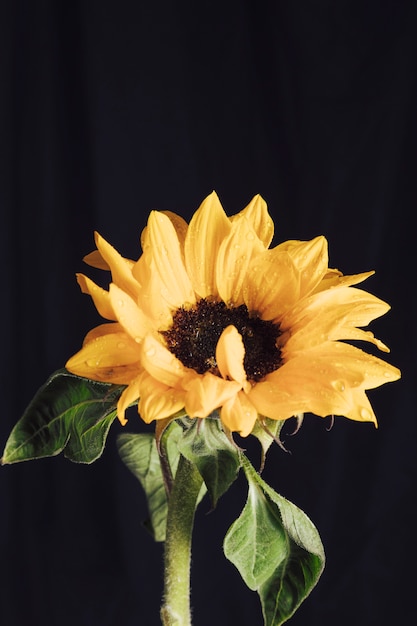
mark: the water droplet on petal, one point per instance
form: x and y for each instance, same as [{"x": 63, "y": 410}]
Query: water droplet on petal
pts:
[
  {"x": 250, "y": 236},
  {"x": 150, "y": 352},
  {"x": 339, "y": 385},
  {"x": 121, "y": 345},
  {"x": 92, "y": 362},
  {"x": 365, "y": 414}
]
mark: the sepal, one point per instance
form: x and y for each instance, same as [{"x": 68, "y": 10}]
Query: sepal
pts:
[{"x": 206, "y": 445}]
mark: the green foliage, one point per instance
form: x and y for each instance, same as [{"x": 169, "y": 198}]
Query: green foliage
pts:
[
  {"x": 217, "y": 459},
  {"x": 267, "y": 432},
  {"x": 273, "y": 544},
  {"x": 68, "y": 414},
  {"x": 276, "y": 549},
  {"x": 140, "y": 454}
]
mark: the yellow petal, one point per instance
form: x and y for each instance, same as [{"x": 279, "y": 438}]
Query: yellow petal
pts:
[
  {"x": 94, "y": 259},
  {"x": 129, "y": 396},
  {"x": 112, "y": 357},
  {"x": 311, "y": 260},
  {"x": 167, "y": 255},
  {"x": 102, "y": 329},
  {"x": 257, "y": 214},
  {"x": 362, "y": 410},
  {"x": 234, "y": 256},
  {"x": 179, "y": 224},
  {"x": 238, "y": 414},
  {"x": 330, "y": 315},
  {"x": 272, "y": 285},
  {"x": 206, "y": 393},
  {"x": 361, "y": 369},
  {"x": 160, "y": 363},
  {"x": 206, "y": 231},
  {"x": 99, "y": 295},
  {"x": 230, "y": 353},
  {"x": 150, "y": 297},
  {"x": 130, "y": 317},
  {"x": 334, "y": 278},
  {"x": 324, "y": 381},
  {"x": 121, "y": 268},
  {"x": 158, "y": 401}
]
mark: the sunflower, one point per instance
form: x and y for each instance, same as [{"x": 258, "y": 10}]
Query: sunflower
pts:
[{"x": 210, "y": 320}]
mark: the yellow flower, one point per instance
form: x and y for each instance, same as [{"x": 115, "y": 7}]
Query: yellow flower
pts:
[{"x": 210, "y": 319}]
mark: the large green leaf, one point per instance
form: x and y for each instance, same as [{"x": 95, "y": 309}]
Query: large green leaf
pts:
[
  {"x": 276, "y": 549},
  {"x": 205, "y": 444},
  {"x": 69, "y": 414},
  {"x": 140, "y": 454}
]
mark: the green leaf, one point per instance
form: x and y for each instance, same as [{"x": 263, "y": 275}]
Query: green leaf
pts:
[
  {"x": 276, "y": 549},
  {"x": 69, "y": 414},
  {"x": 140, "y": 454},
  {"x": 267, "y": 432},
  {"x": 205, "y": 444}
]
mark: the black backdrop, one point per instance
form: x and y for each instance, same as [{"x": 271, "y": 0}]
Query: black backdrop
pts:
[{"x": 112, "y": 109}]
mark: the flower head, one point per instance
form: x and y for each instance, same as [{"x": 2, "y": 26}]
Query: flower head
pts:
[{"x": 210, "y": 319}]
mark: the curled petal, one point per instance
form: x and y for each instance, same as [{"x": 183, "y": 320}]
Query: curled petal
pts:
[
  {"x": 230, "y": 353},
  {"x": 160, "y": 363},
  {"x": 238, "y": 414},
  {"x": 158, "y": 401},
  {"x": 129, "y": 396},
  {"x": 206, "y": 393}
]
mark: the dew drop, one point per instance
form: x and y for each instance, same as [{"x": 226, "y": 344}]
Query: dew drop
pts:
[
  {"x": 250, "y": 236},
  {"x": 121, "y": 345},
  {"x": 120, "y": 302},
  {"x": 339, "y": 385},
  {"x": 150, "y": 352},
  {"x": 92, "y": 362},
  {"x": 137, "y": 339},
  {"x": 387, "y": 374},
  {"x": 365, "y": 414}
]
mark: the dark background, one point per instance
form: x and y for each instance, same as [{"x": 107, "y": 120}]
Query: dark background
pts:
[{"x": 111, "y": 109}]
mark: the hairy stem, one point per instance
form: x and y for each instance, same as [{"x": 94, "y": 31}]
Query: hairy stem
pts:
[{"x": 176, "y": 610}]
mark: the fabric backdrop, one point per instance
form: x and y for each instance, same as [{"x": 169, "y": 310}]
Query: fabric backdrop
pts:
[{"x": 111, "y": 109}]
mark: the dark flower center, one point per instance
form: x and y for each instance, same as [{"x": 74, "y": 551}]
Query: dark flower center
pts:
[{"x": 195, "y": 332}]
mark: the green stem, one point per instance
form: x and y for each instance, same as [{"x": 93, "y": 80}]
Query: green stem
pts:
[{"x": 176, "y": 609}]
